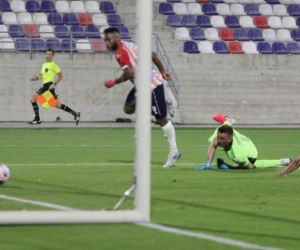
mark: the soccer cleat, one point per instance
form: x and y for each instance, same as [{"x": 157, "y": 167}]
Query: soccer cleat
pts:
[
  {"x": 172, "y": 158},
  {"x": 77, "y": 118},
  {"x": 286, "y": 161},
  {"x": 222, "y": 119},
  {"x": 35, "y": 121}
]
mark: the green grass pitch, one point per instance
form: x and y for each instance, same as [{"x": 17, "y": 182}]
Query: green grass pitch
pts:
[{"x": 90, "y": 169}]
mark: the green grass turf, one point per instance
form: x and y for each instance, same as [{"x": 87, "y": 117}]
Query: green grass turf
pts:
[{"x": 255, "y": 206}]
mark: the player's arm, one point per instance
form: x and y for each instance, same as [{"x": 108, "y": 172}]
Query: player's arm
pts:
[
  {"x": 58, "y": 79},
  {"x": 128, "y": 74},
  {"x": 35, "y": 77},
  {"x": 295, "y": 164},
  {"x": 160, "y": 66},
  {"x": 212, "y": 151}
]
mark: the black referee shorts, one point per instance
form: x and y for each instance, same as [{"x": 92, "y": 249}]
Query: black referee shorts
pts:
[{"x": 46, "y": 87}]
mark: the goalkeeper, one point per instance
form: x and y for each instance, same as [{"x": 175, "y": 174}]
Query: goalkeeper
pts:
[{"x": 238, "y": 148}]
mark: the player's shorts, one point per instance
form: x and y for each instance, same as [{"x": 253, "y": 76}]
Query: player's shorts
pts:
[
  {"x": 45, "y": 87},
  {"x": 159, "y": 107}
]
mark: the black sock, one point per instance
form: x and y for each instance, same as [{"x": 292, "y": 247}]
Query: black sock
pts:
[
  {"x": 67, "y": 109},
  {"x": 36, "y": 110}
]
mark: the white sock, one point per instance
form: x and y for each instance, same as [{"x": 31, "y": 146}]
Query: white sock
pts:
[{"x": 169, "y": 132}]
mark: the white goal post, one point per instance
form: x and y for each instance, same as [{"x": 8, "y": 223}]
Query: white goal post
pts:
[{"x": 141, "y": 213}]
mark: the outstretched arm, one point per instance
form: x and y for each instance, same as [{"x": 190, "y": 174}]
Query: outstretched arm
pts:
[
  {"x": 295, "y": 164},
  {"x": 160, "y": 66},
  {"x": 212, "y": 150},
  {"x": 128, "y": 74}
]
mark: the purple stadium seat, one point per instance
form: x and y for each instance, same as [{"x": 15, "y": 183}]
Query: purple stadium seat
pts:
[
  {"x": 1, "y": 22},
  {"x": 298, "y": 21},
  {"x": 23, "y": 44},
  {"x": 190, "y": 47},
  {"x": 220, "y": 48},
  {"x": 70, "y": 19},
  {"x": 166, "y": 9},
  {"x": 16, "y": 30},
  {"x": 107, "y": 7},
  {"x": 232, "y": 22},
  {"x": 264, "y": 48},
  {"x": 124, "y": 32},
  {"x": 295, "y": 34},
  {"x": 217, "y": 1},
  {"x": 279, "y": 48},
  {"x": 209, "y": 9},
  {"x": 62, "y": 31},
  {"x": 197, "y": 34},
  {"x": 174, "y": 1},
  {"x": 53, "y": 44},
  {"x": 47, "y": 6},
  {"x": 92, "y": 31},
  {"x": 293, "y": 48},
  {"x": 38, "y": 45},
  {"x": 255, "y": 35},
  {"x": 55, "y": 19},
  {"x": 77, "y": 32},
  {"x": 33, "y": 6},
  {"x": 203, "y": 21},
  {"x": 293, "y": 9},
  {"x": 272, "y": 1},
  {"x": 189, "y": 21},
  {"x": 251, "y": 9},
  {"x": 240, "y": 35},
  {"x": 4, "y": 5},
  {"x": 114, "y": 20},
  {"x": 174, "y": 21},
  {"x": 68, "y": 45}
]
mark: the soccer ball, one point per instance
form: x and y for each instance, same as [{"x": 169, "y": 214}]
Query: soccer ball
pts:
[{"x": 4, "y": 173}]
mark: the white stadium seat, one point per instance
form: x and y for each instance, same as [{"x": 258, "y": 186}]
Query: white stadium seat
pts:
[
  {"x": 269, "y": 35},
  {"x": 62, "y": 6},
  {"x": 195, "y": 9},
  {"x": 24, "y": 18},
  {"x": 280, "y": 10},
  {"x": 100, "y": 19},
  {"x": 3, "y": 31},
  {"x": 77, "y": 7},
  {"x": 246, "y": 22},
  {"x": 231, "y": 1},
  {"x": 284, "y": 35},
  {"x": 92, "y": 7},
  {"x": 46, "y": 31},
  {"x": 39, "y": 18},
  {"x": 182, "y": 33},
  {"x": 211, "y": 34},
  {"x": 245, "y": 1},
  {"x": 258, "y": 1},
  {"x": 180, "y": 9},
  {"x": 83, "y": 45},
  {"x": 237, "y": 9},
  {"x": 223, "y": 9},
  {"x": 265, "y": 9},
  {"x": 296, "y": 1},
  {"x": 9, "y": 18},
  {"x": 217, "y": 21},
  {"x": 274, "y": 22},
  {"x": 7, "y": 44},
  {"x": 17, "y": 6},
  {"x": 205, "y": 47},
  {"x": 249, "y": 47},
  {"x": 286, "y": 1},
  {"x": 289, "y": 22}
]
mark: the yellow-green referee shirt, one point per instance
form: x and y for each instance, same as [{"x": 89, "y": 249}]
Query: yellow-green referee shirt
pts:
[{"x": 48, "y": 71}]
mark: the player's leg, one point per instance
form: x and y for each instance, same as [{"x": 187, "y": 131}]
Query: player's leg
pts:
[
  {"x": 272, "y": 163},
  {"x": 64, "y": 107},
  {"x": 35, "y": 106},
  {"x": 295, "y": 164},
  {"x": 129, "y": 106},
  {"x": 159, "y": 110}
]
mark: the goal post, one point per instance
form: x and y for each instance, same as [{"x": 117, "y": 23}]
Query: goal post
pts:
[{"x": 141, "y": 213}]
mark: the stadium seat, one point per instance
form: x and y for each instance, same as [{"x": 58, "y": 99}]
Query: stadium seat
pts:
[
  {"x": 235, "y": 48},
  {"x": 1, "y": 22},
  {"x": 17, "y": 6},
  {"x": 223, "y": 9},
  {"x": 246, "y": 22},
  {"x": 249, "y": 48},
  {"x": 252, "y": 9},
  {"x": 237, "y": 9},
  {"x": 38, "y": 45},
  {"x": 195, "y": 9},
  {"x": 3, "y": 31},
  {"x": 226, "y": 34},
  {"x": 4, "y": 5},
  {"x": 283, "y": 35},
  {"x": 197, "y": 34},
  {"x": 217, "y": 1},
  {"x": 99, "y": 19},
  {"x": 280, "y": 10},
  {"x": 39, "y": 18},
  {"x": 92, "y": 7},
  {"x": 15, "y": 30},
  {"x": 220, "y": 47},
  {"x": 293, "y": 48},
  {"x": 264, "y": 48},
  {"x": 68, "y": 45},
  {"x": 272, "y": 1},
  {"x": 298, "y": 21},
  {"x": 83, "y": 45},
  {"x": 286, "y": 1},
  {"x": 232, "y": 22},
  {"x": 174, "y": 1},
  {"x": 46, "y": 31},
  {"x": 23, "y": 44},
  {"x": 77, "y": 32},
  {"x": 189, "y": 21},
  {"x": 203, "y": 21},
  {"x": 107, "y": 7},
  {"x": 274, "y": 22},
  {"x": 217, "y": 21},
  {"x": 62, "y": 31},
  {"x": 269, "y": 35},
  {"x": 289, "y": 22},
  {"x": 9, "y": 18},
  {"x": 92, "y": 31},
  {"x": 180, "y": 9},
  {"x": 166, "y": 9},
  {"x": 205, "y": 47},
  {"x": 266, "y": 9},
  {"x": 24, "y": 18},
  {"x": 240, "y": 35},
  {"x": 47, "y": 6},
  {"x": 261, "y": 22},
  {"x": 53, "y": 44},
  {"x": 202, "y": 1},
  {"x": 31, "y": 31},
  {"x": 55, "y": 19},
  {"x": 295, "y": 34},
  {"x": 182, "y": 33},
  {"x": 85, "y": 19},
  {"x": 209, "y": 9},
  {"x": 255, "y": 35},
  {"x": 114, "y": 20},
  {"x": 33, "y": 6},
  {"x": 124, "y": 32},
  {"x": 98, "y": 46},
  {"x": 174, "y": 21},
  {"x": 7, "y": 44},
  {"x": 77, "y": 7},
  {"x": 293, "y": 9},
  {"x": 70, "y": 19},
  {"x": 62, "y": 6},
  {"x": 211, "y": 34},
  {"x": 279, "y": 48},
  {"x": 190, "y": 47}
]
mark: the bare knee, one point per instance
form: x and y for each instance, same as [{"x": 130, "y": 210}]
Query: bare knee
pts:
[
  {"x": 128, "y": 109},
  {"x": 33, "y": 98}
]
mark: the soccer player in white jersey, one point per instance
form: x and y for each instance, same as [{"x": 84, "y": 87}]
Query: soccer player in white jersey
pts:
[{"x": 126, "y": 55}]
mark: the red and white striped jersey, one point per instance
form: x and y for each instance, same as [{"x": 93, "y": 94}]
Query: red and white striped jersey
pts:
[{"x": 126, "y": 55}]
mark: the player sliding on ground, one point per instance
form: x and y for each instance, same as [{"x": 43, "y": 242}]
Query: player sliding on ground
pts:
[
  {"x": 48, "y": 72},
  {"x": 295, "y": 164},
  {"x": 126, "y": 55},
  {"x": 239, "y": 149}
]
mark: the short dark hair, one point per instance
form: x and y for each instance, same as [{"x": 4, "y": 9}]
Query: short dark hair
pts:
[
  {"x": 111, "y": 30},
  {"x": 51, "y": 50},
  {"x": 226, "y": 129}
]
